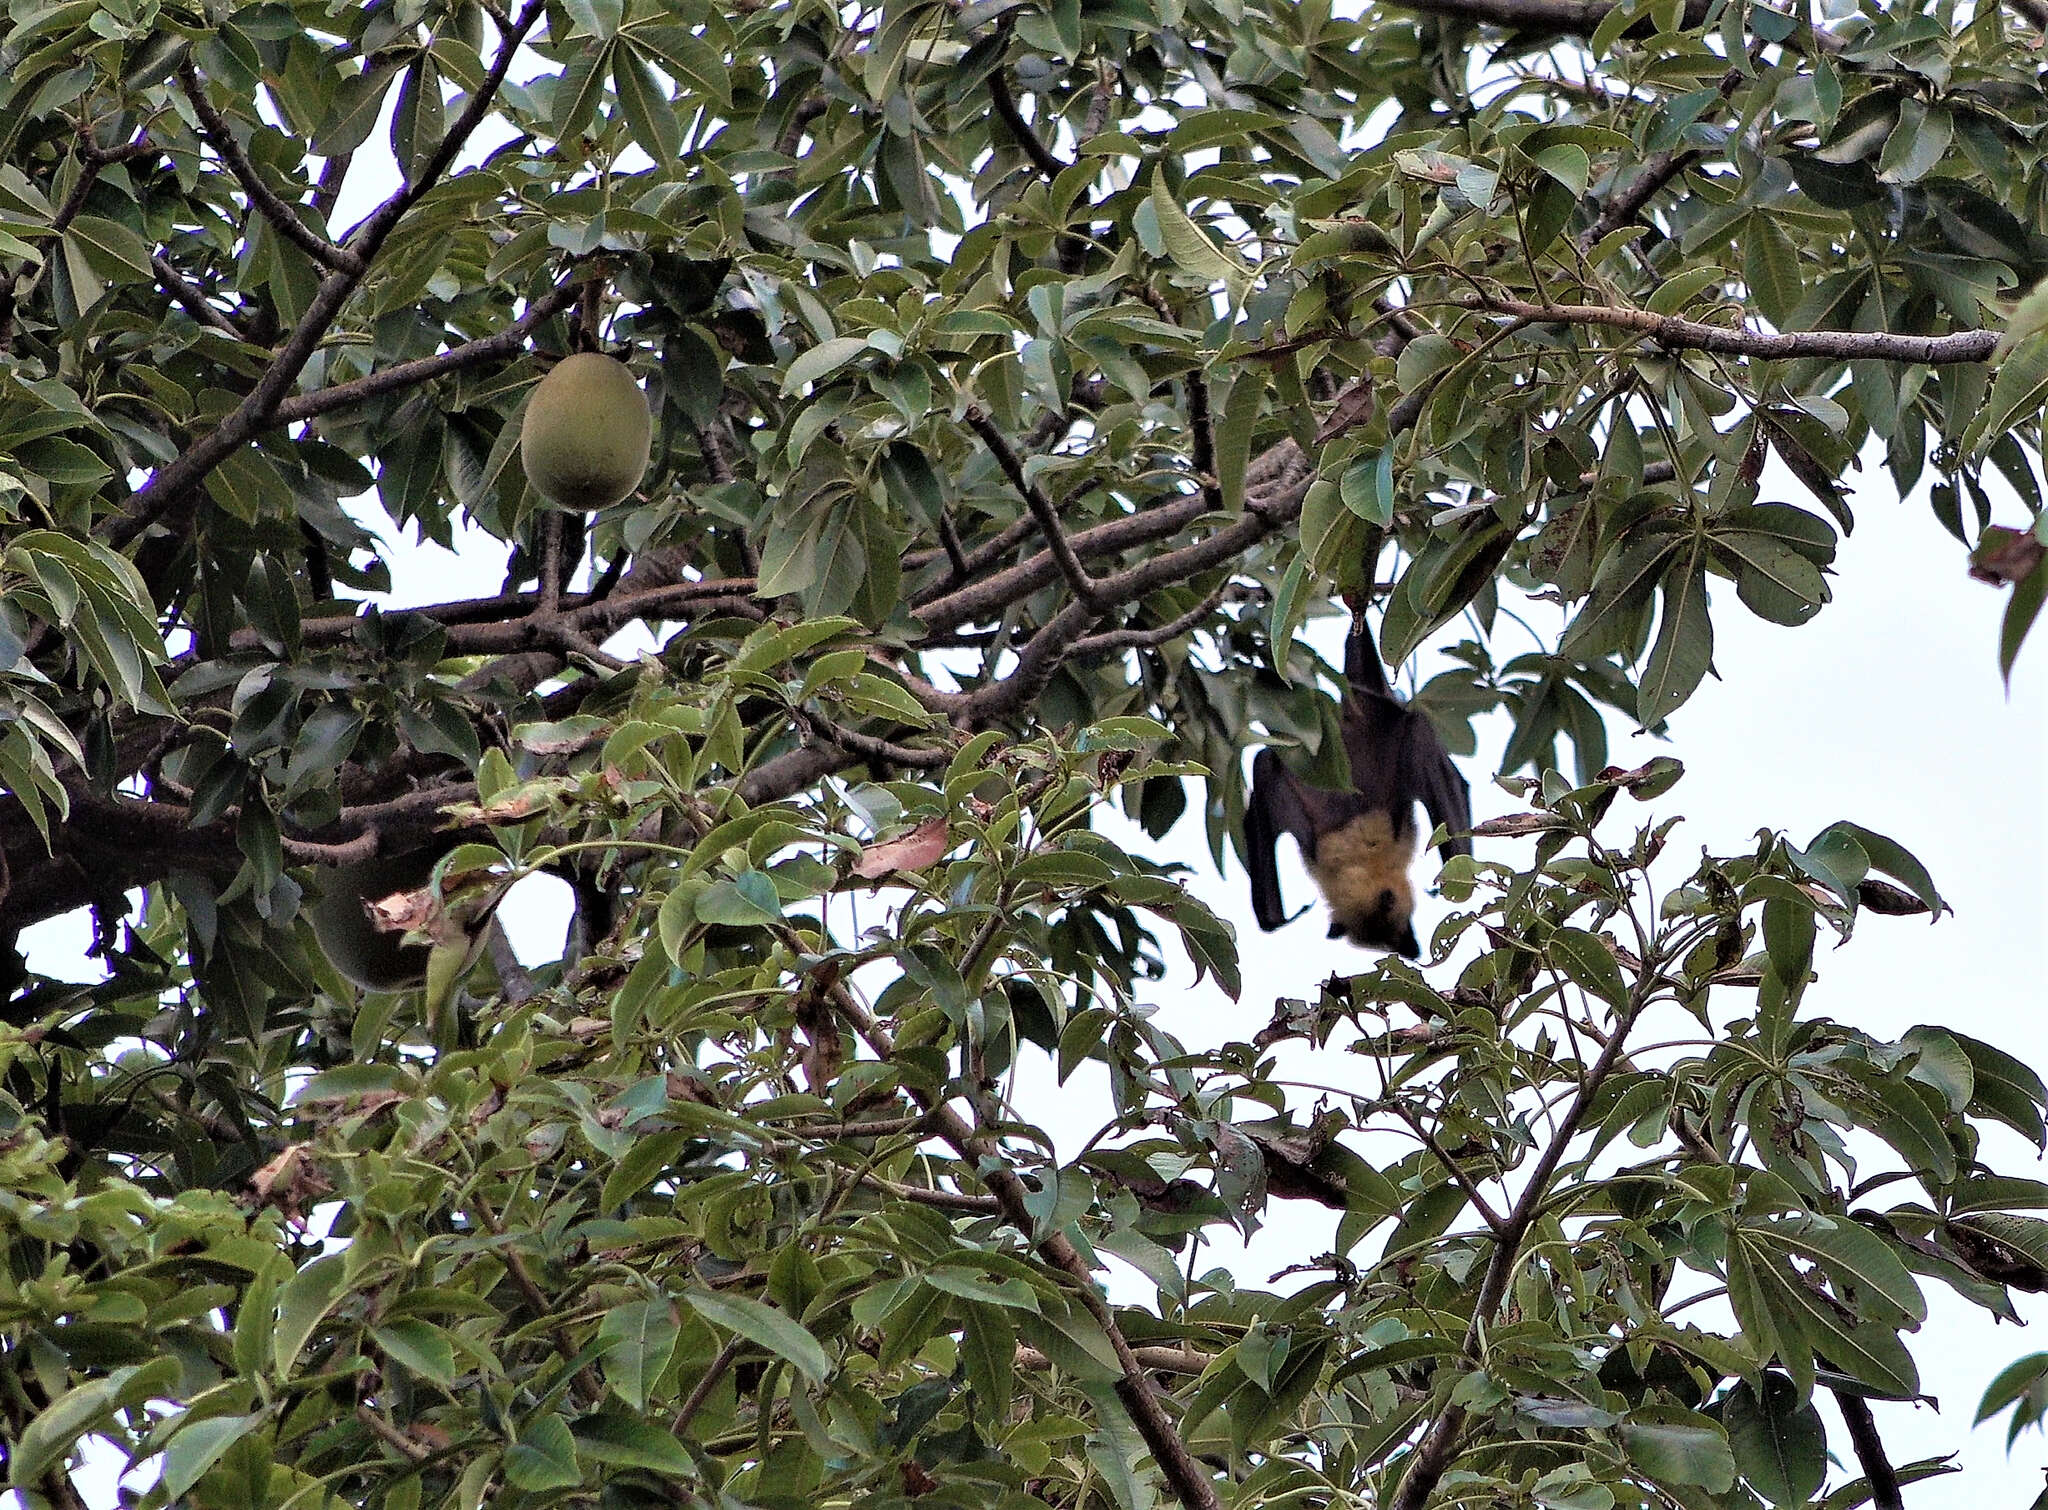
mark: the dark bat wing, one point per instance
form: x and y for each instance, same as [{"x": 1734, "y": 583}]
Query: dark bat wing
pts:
[
  {"x": 1282, "y": 803},
  {"x": 1396, "y": 758},
  {"x": 1435, "y": 781}
]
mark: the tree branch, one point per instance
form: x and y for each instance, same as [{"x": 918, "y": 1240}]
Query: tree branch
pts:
[
  {"x": 400, "y": 375},
  {"x": 258, "y": 409},
  {"x": 1583, "y": 17},
  {"x": 1622, "y": 206},
  {"x": 1005, "y": 103},
  {"x": 1147, "y": 639},
  {"x": 1439, "y": 1444},
  {"x": 391, "y": 1436},
  {"x": 1041, "y": 507},
  {"x": 1043, "y": 655},
  {"x": 192, "y": 299},
  {"x": 1863, "y": 1436},
  {"x": 1191, "y": 1483},
  {"x": 1672, "y": 330},
  {"x": 265, "y": 200}
]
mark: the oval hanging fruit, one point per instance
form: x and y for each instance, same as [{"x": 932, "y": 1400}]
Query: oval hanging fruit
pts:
[{"x": 587, "y": 433}]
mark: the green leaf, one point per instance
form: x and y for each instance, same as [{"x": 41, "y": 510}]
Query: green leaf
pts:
[
  {"x": 1888, "y": 856},
  {"x": 821, "y": 361},
  {"x": 111, "y": 249},
  {"x": 637, "y": 1340},
  {"x": 1853, "y": 1251},
  {"x": 1241, "y": 412},
  {"x": 578, "y": 91},
  {"x": 1867, "y": 1351},
  {"x": 599, "y": 18},
  {"x": 1188, "y": 246},
  {"x": 1684, "y": 648},
  {"x": 197, "y": 1447},
  {"x": 420, "y": 1346},
  {"x": 1773, "y": 580},
  {"x": 544, "y": 1457},
  {"x": 688, "y": 58},
  {"x": 767, "y": 1327},
  {"x": 1680, "y": 1447},
  {"x": 2020, "y": 612},
  {"x": 1770, "y": 267},
  {"x": 747, "y": 901},
  {"x": 307, "y": 1297},
  {"x": 1368, "y": 488},
  {"x": 2015, "y": 1380},
  {"x": 47, "y": 1440},
  {"x": 988, "y": 1348},
  {"x": 649, "y": 115},
  {"x": 2017, "y": 394},
  {"x": 1568, "y": 164},
  {"x": 1590, "y": 964},
  {"x": 643, "y": 1164},
  {"x": 2029, "y": 317},
  {"x": 1918, "y": 142},
  {"x": 2003, "y": 1087},
  {"x": 627, "y": 1442},
  {"x": 1778, "y": 1440}
]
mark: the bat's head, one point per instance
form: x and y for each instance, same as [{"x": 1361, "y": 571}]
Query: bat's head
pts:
[
  {"x": 1388, "y": 924},
  {"x": 1362, "y": 871}
]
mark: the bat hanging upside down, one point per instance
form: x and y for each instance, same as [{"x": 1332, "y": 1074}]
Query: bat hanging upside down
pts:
[{"x": 1359, "y": 844}]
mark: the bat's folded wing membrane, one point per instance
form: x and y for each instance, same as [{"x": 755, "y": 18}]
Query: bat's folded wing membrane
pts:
[
  {"x": 1275, "y": 806},
  {"x": 1442, "y": 788}
]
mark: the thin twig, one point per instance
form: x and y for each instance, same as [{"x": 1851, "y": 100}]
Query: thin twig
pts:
[
  {"x": 961, "y": 1201},
  {"x": 1191, "y": 1483},
  {"x": 1672, "y": 330},
  {"x": 522, "y": 1279},
  {"x": 1041, "y": 506},
  {"x": 265, "y": 200},
  {"x": 1165, "y": 1360},
  {"x": 392, "y": 1437},
  {"x": 1147, "y": 639},
  {"x": 702, "y": 1390},
  {"x": 1451, "y": 1166}
]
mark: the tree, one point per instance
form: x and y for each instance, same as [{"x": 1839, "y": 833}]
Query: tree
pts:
[{"x": 1024, "y": 379}]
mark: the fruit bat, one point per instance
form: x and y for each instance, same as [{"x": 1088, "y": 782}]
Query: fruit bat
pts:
[{"x": 1360, "y": 843}]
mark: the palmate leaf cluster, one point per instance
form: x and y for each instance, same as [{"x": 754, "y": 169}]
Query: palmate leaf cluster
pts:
[{"x": 1026, "y": 377}]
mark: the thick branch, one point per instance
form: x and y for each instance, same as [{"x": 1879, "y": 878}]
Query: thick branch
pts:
[{"x": 1043, "y": 655}]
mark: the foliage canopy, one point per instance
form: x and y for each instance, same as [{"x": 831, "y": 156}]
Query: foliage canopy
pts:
[{"x": 1025, "y": 376}]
